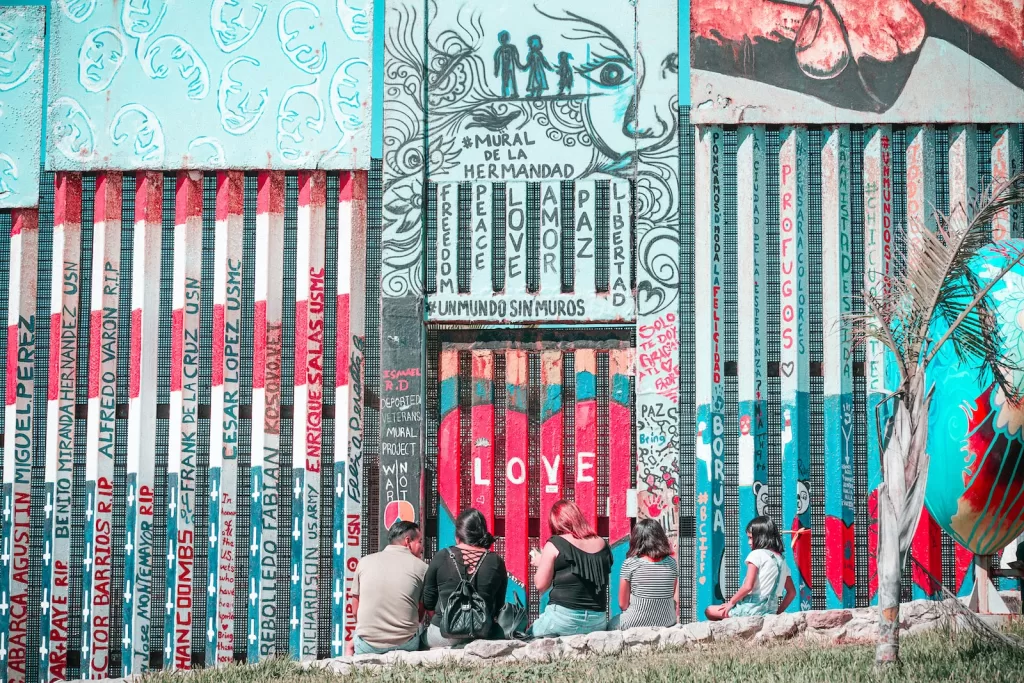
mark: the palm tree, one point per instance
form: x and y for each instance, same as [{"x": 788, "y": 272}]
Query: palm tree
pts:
[{"x": 939, "y": 295}]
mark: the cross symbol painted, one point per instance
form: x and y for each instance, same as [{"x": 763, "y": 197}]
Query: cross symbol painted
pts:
[
  {"x": 126, "y": 641},
  {"x": 337, "y": 642},
  {"x": 42, "y": 652},
  {"x": 171, "y": 506},
  {"x": 131, "y": 500},
  {"x": 210, "y": 633},
  {"x": 3, "y": 648},
  {"x": 85, "y": 649},
  {"x": 46, "y": 555},
  {"x": 338, "y": 545},
  {"x": 295, "y": 620},
  {"x": 255, "y": 547},
  {"x": 48, "y": 508},
  {"x": 214, "y": 493},
  {"x": 127, "y": 592},
  {"x": 167, "y": 648},
  {"x": 339, "y": 489},
  {"x": 252, "y": 592},
  {"x": 87, "y": 561},
  {"x": 298, "y": 488},
  {"x": 255, "y": 494},
  {"x": 296, "y": 534},
  {"x": 128, "y": 546},
  {"x": 45, "y": 604},
  {"x": 4, "y": 605},
  {"x": 337, "y": 592},
  {"x": 295, "y": 573},
  {"x": 213, "y": 535},
  {"x": 252, "y": 637},
  {"x": 7, "y": 509},
  {"x": 88, "y": 509},
  {"x": 212, "y": 589},
  {"x": 170, "y": 560}
]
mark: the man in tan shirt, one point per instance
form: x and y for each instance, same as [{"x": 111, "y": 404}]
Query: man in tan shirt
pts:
[{"x": 386, "y": 592}]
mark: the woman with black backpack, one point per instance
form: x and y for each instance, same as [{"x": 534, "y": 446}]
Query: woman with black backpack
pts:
[{"x": 465, "y": 586}]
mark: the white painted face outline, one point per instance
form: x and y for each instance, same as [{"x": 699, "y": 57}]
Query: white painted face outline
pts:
[
  {"x": 77, "y": 10},
  {"x": 355, "y": 19},
  {"x": 8, "y": 175},
  {"x": 237, "y": 119},
  {"x": 95, "y": 73},
  {"x": 346, "y": 100},
  {"x": 232, "y": 33},
  {"x": 147, "y": 137},
  {"x": 290, "y": 122},
  {"x": 13, "y": 71},
  {"x": 189, "y": 65},
  {"x": 303, "y": 56},
  {"x": 74, "y": 135},
  {"x": 214, "y": 160},
  {"x": 803, "y": 497},
  {"x": 138, "y": 19}
]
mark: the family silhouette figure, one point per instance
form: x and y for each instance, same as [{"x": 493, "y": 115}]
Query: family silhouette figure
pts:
[{"x": 507, "y": 64}]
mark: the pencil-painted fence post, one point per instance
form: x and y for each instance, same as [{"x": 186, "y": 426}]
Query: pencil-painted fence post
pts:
[
  {"x": 794, "y": 365},
  {"x": 751, "y": 245},
  {"x": 837, "y": 361},
  {"x": 709, "y": 476}
]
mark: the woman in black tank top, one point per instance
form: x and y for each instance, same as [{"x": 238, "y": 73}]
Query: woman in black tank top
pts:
[{"x": 576, "y": 576}]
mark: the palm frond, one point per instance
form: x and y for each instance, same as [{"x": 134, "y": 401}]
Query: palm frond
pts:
[{"x": 941, "y": 285}]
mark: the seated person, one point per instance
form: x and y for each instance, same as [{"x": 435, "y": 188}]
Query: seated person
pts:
[
  {"x": 386, "y": 594},
  {"x": 468, "y": 558},
  {"x": 648, "y": 586},
  {"x": 767, "y": 573}
]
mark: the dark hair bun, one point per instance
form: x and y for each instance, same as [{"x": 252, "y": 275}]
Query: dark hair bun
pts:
[{"x": 471, "y": 529}]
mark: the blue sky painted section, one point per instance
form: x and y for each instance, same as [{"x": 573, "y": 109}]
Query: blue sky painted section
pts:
[{"x": 684, "y": 52}]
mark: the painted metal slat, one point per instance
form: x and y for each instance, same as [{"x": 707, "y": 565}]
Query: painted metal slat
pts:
[
  {"x": 586, "y": 255},
  {"x": 449, "y": 448},
  {"x": 1005, "y": 165},
  {"x": 550, "y": 238},
  {"x": 620, "y": 447},
  {"x": 710, "y": 376},
  {"x": 270, "y": 227},
  {"x": 66, "y": 285},
  {"x": 585, "y": 484},
  {"x": 551, "y": 442},
  {"x": 837, "y": 362},
  {"x": 752, "y": 381},
  {"x": 482, "y": 238},
  {"x": 517, "y": 509},
  {"x": 447, "y": 238},
  {"x": 921, "y": 199},
  {"x": 18, "y": 451},
  {"x": 794, "y": 365},
  {"x": 620, "y": 244},
  {"x": 877, "y": 262},
  {"x": 97, "y": 593},
  {"x": 963, "y": 169},
  {"x": 515, "y": 238},
  {"x": 482, "y": 439}
]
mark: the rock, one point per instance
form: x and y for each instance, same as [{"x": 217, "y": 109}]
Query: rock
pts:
[
  {"x": 827, "y": 620},
  {"x": 918, "y": 611},
  {"x": 605, "y": 642},
  {"x": 782, "y": 626},
  {"x": 825, "y": 636},
  {"x": 338, "y": 667},
  {"x": 577, "y": 643},
  {"x": 543, "y": 650},
  {"x": 641, "y": 636},
  {"x": 363, "y": 660},
  {"x": 490, "y": 649},
  {"x": 861, "y": 629},
  {"x": 740, "y": 628},
  {"x": 689, "y": 634}
]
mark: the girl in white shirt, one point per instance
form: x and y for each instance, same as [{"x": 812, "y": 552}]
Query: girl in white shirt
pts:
[{"x": 767, "y": 576}]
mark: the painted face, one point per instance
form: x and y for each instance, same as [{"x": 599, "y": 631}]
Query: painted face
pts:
[
  {"x": 301, "y": 34},
  {"x": 240, "y": 101},
  {"x": 235, "y": 22},
  {"x": 140, "y": 127},
  {"x": 141, "y": 18},
  {"x": 346, "y": 99},
  {"x": 77, "y": 10},
  {"x": 355, "y": 19},
  {"x": 8, "y": 175},
  {"x": 300, "y": 117},
  {"x": 20, "y": 56},
  {"x": 100, "y": 58},
  {"x": 71, "y": 130},
  {"x": 760, "y": 498},
  {"x": 803, "y": 498},
  {"x": 171, "y": 54},
  {"x": 206, "y": 151}
]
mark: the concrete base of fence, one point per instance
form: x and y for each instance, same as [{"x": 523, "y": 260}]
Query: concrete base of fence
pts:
[{"x": 832, "y": 627}]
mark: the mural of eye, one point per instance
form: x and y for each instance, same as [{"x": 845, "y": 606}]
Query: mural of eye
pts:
[
  {"x": 300, "y": 116},
  {"x": 100, "y": 58},
  {"x": 240, "y": 100},
  {"x": 141, "y": 18},
  {"x": 300, "y": 30},
  {"x": 20, "y": 56},
  {"x": 8, "y": 175},
  {"x": 138, "y": 125},
  {"x": 235, "y": 22},
  {"x": 346, "y": 100},
  {"x": 607, "y": 72},
  {"x": 206, "y": 151},
  {"x": 71, "y": 130},
  {"x": 77, "y": 10},
  {"x": 355, "y": 19},
  {"x": 173, "y": 53}
]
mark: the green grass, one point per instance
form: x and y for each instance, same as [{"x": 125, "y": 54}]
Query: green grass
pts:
[{"x": 931, "y": 657}]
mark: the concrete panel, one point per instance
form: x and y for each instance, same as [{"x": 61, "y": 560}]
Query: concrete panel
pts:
[
  {"x": 22, "y": 32},
  {"x": 823, "y": 61},
  {"x": 225, "y": 84}
]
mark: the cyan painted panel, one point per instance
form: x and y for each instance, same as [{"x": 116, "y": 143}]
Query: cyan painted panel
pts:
[
  {"x": 21, "y": 104},
  {"x": 210, "y": 84}
]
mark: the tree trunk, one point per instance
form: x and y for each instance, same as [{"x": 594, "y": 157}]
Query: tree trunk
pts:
[{"x": 900, "y": 501}]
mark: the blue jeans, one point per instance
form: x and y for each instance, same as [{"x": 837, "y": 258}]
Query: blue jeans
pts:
[
  {"x": 364, "y": 648},
  {"x": 562, "y": 621}
]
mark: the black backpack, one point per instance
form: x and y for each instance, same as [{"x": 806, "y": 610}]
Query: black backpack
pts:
[{"x": 466, "y": 614}]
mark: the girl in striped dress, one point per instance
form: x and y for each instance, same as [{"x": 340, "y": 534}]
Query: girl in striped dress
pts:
[{"x": 649, "y": 586}]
